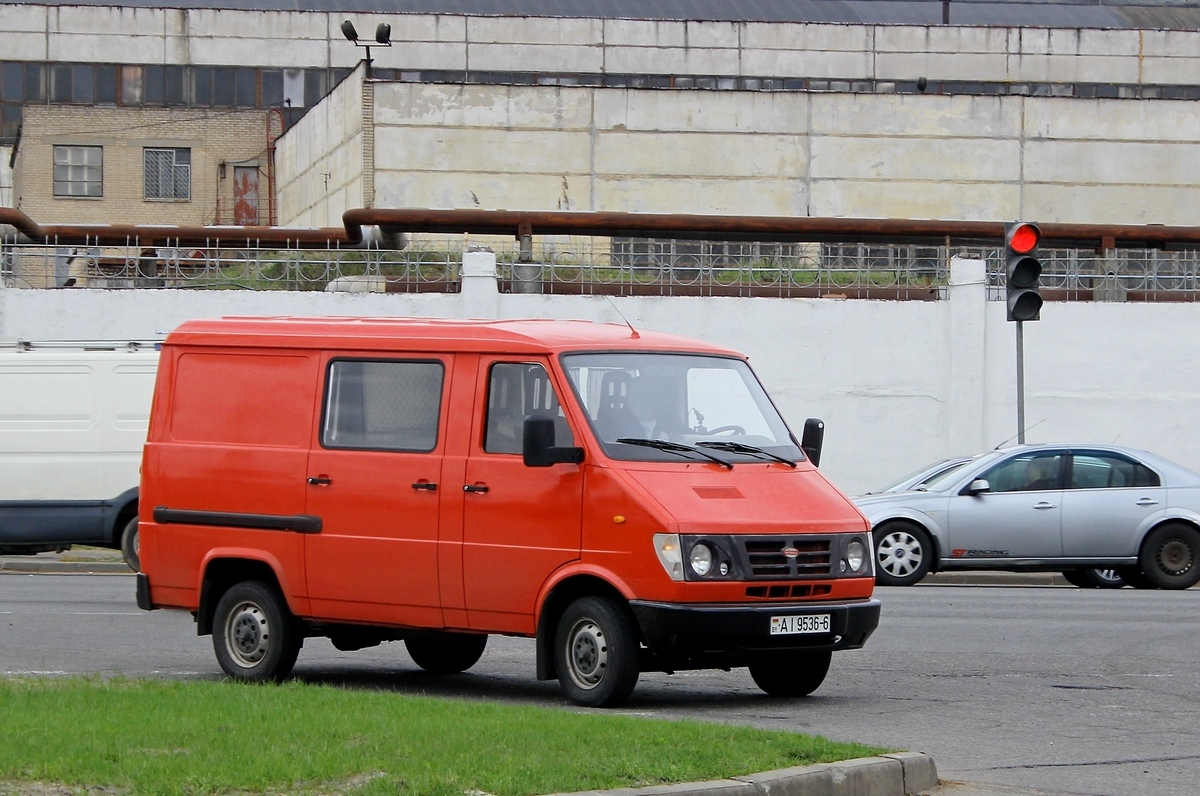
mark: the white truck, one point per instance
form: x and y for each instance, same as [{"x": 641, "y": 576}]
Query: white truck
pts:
[{"x": 73, "y": 420}]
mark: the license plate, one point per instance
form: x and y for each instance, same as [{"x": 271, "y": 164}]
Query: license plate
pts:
[{"x": 791, "y": 625}]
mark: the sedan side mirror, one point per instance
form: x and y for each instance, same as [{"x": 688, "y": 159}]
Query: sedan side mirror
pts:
[
  {"x": 538, "y": 448},
  {"x": 978, "y": 486}
]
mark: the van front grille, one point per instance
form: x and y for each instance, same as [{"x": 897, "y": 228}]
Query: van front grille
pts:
[{"x": 784, "y": 557}]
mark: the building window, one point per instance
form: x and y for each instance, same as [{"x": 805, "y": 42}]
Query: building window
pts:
[
  {"x": 168, "y": 173},
  {"x": 78, "y": 171}
]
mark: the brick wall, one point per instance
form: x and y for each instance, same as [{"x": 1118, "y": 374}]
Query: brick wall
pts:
[{"x": 214, "y": 137}]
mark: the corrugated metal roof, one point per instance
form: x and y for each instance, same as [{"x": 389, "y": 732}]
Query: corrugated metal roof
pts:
[{"x": 1174, "y": 14}]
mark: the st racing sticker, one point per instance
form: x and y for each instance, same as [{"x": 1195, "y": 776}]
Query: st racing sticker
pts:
[{"x": 963, "y": 552}]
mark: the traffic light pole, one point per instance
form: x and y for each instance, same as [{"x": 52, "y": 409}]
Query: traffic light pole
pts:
[{"x": 1020, "y": 382}]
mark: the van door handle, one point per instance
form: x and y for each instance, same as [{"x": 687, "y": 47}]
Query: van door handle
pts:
[
  {"x": 1147, "y": 502},
  {"x": 474, "y": 488},
  {"x": 1044, "y": 505},
  {"x": 320, "y": 480},
  {"x": 428, "y": 487}
]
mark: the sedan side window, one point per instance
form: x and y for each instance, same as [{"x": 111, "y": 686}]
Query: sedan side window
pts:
[
  {"x": 1026, "y": 473},
  {"x": 1093, "y": 471}
]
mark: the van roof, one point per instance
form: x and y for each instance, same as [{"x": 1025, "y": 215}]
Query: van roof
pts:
[{"x": 531, "y": 335}]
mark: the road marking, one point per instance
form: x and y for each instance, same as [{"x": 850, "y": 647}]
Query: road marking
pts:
[{"x": 106, "y": 613}]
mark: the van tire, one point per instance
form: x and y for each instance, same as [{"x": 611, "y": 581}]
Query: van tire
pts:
[
  {"x": 1170, "y": 556},
  {"x": 255, "y": 637},
  {"x": 445, "y": 653},
  {"x": 791, "y": 674},
  {"x": 130, "y": 549},
  {"x": 596, "y": 650}
]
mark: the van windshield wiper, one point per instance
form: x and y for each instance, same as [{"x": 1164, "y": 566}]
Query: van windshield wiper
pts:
[
  {"x": 739, "y": 447},
  {"x": 673, "y": 447}
]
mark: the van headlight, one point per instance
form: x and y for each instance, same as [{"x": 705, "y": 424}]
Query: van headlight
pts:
[
  {"x": 701, "y": 559},
  {"x": 670, "y": 555},
  {"x": 856, "y": 555}
]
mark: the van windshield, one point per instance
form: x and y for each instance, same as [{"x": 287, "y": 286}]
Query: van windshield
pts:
[{"x": 655, "y": 407}]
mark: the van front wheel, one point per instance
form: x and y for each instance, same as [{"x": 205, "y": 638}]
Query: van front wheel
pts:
[
  {"x": 791, "y": 675},
  {"x": 130, "y": 550},
  {"x": 596, "y": 650},
  {"x": 255, "y": 637}
]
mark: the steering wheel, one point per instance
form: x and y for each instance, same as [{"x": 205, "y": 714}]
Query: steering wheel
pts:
[{"x": 727, "y": 430}]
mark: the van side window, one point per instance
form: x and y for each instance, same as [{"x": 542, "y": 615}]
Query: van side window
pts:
[
  {"x": 382, "y": 405},
  {"x": 517, "y": 390}
]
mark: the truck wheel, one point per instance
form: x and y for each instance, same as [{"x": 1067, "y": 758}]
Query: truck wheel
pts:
[
  {"x": 596, "y": 649},
  {"x": 445, "y": 653},
  {"x": 255, "y": 637},
  {"x": 903, "y": 554},
  {"x": 129, "y": 545},
  {"x": 791, "y": 674},
  {"x": 1169, "y": 556}
]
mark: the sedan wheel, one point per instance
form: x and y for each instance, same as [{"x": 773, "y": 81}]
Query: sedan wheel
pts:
[
  {"x": 904, "y": 554},
  {"x": 1094, "y": 578},
  {"x": 1169, "y": 557}
]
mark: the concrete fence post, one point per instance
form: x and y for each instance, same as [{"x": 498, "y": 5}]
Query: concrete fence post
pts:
[{"x": 966, "y": 347}]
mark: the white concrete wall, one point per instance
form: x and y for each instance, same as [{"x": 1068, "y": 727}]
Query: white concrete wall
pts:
[
  {"x": 108, "y": 34},
  {"x": 899, "y": 384},
  {"x": 782, "y": 153},
  {"x": 319, "y": 162}
]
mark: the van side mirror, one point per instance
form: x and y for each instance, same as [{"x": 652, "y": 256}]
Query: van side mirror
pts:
[
  {"x": 813, "y": 438},
  {"x": 978, "y": 486},
  {"x": 537, "y": 444}
]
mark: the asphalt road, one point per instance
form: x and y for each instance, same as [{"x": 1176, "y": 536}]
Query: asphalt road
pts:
[{"x": 1051, "y": 688}]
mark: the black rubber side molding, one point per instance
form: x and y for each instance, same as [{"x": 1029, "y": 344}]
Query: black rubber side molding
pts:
[{"x": 299, "y": 523}]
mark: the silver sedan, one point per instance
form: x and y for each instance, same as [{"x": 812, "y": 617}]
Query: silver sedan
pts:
[{"x": 1069, "y": 508}]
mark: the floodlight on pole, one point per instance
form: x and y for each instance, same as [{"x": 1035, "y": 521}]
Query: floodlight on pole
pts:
[{"x": 383, "y": 38}]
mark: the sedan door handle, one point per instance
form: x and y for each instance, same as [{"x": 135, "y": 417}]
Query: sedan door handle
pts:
[
  {"x": 320, "y": 480},
  {"x": 474, "y": 488},
  {"x": 428, "y": 487},
  {"x": 1044, "y": 505},
  {"x": 1147, "y": 502}
]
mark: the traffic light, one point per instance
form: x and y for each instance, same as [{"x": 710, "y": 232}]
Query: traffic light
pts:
[{"x": 1022, "y": 270}]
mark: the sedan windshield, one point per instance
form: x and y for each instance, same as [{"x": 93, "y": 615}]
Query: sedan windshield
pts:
[{"x": 708, "y": 408}]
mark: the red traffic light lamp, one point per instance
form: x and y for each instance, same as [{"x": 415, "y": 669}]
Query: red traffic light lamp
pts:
[{"x": 1022, "y": 271}]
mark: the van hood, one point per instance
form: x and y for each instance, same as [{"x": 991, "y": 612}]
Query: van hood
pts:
[{"x": 751, "y": 498}]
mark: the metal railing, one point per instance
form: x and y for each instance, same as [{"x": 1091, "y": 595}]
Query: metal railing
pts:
[{"x": 583, "y": 265}]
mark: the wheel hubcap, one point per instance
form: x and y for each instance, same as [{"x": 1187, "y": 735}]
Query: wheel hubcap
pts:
[
  {"x": 248, "y": 635},
  {"x": 587, "y": 656},
  {"x": 899, "y": 554},
  {"x": 1175, "y": 556}
]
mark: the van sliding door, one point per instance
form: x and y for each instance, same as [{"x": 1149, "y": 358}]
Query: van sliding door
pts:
[{"x": 374, "y": 478}]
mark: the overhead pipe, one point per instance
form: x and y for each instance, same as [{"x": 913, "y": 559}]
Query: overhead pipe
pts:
[
  {"x": 764, "y": 228},
  {"x": 388, "y": 228}
]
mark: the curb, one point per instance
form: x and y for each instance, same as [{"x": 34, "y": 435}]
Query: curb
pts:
[
  {"x": 899, "y": 774},
  {"x": 32, "y": 565}
]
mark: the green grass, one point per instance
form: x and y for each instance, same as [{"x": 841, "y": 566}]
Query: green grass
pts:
[{"x": 199, "y": 737}]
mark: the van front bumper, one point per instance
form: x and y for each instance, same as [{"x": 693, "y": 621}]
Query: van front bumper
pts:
[{"x": 682, "y": 635}]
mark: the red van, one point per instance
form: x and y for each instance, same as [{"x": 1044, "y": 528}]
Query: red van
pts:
[{"x": 631, "y": 500}]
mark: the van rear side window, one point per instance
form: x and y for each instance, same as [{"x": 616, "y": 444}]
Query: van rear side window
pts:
[{"x": 382, "y": 405}]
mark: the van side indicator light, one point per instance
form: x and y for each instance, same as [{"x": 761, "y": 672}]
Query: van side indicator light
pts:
[{"x": 618, "y": 519}]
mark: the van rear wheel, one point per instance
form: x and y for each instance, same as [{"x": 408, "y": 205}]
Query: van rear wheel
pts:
[
  {"x": 130, "y": 549},
  {"x": 445, "y": 653},
  {"x": 791, "y": 674},
  {"x": 255, "y": 637},
  {"x": 596, "y": 651}
]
